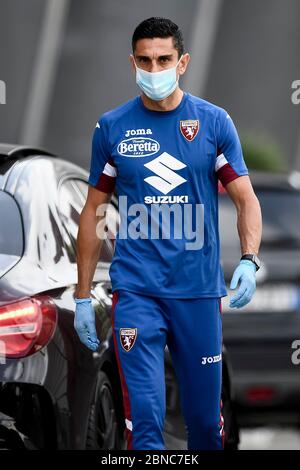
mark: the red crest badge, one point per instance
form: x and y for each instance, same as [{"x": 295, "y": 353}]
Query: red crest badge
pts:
[
  {"x": 190, "y": 128},
  {"x": 128, "y": 337}
]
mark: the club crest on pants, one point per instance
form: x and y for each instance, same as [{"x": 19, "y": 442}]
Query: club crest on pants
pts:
[
  {"x": 128, "y": 337},
  {"x": 189, "y": 128}
]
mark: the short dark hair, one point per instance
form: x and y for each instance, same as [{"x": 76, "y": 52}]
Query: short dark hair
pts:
[{"x": 157, "y": 27}]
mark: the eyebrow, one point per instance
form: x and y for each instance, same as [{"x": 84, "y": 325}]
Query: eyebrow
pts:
[{"x": 165, "y": 56}]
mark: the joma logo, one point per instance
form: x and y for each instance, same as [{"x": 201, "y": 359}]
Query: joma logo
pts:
[
  {"x": 134, "y": 132},
  {"x": 211, "y": 359}
]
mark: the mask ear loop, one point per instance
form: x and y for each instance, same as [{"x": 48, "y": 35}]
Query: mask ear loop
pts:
[
  {"x": 179, "y": 60},
  {"x": 177, "y": 81},
  {"x": 136, "y": 67}
]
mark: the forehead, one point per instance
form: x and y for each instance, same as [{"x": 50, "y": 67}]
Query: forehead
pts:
[{"x": 155, "y": 47}]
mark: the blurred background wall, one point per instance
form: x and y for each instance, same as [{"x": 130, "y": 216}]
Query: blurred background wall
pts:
[{"x": 65, "y": 62}]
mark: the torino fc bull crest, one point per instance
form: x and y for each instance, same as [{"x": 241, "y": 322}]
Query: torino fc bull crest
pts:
[
  {"x": 189, "y": 129},
  {"x": 128, "y": 337}
]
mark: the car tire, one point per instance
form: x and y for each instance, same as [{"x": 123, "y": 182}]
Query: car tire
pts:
[
  {"x": 103, "y": 428},
  {"x": 10, "y": 440}
]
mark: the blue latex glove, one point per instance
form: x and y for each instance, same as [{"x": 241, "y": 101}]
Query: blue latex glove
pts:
[
  {"x": 245, "y": 273},
  {"x": 84, "y": 323}
]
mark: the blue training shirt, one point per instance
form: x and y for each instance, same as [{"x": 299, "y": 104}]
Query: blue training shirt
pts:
[{"x": 165, "y": 167}]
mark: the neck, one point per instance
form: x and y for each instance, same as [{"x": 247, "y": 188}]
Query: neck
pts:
[{"x": 168, "y": 104}]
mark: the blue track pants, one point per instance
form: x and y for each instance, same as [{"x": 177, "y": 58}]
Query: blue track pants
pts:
[{"x": 192, "y": 330}]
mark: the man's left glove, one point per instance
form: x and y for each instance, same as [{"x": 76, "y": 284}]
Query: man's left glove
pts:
[{"x": 245, "y": 273}]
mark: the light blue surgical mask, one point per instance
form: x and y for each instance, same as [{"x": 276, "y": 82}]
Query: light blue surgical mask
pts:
[{"x": 157, "y": 85}]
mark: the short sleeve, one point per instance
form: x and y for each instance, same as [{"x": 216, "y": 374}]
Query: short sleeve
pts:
[
  {"x": 102, "y": 168},
  {"x": 230, "y": 162}
]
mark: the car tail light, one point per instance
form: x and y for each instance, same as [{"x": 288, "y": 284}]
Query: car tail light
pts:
[
  {"x": 258, "y": 394},
  {"x": 26, "y": 326}
]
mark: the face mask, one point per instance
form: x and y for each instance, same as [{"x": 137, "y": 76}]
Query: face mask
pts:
[{"x": 157, "y": 85}]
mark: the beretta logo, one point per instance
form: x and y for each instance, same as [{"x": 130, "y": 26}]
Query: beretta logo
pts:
[{"x": 138, "y": 147}]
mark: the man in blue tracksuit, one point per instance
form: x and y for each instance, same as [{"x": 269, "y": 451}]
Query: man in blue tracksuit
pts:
[{"x": 164, "y": 153}]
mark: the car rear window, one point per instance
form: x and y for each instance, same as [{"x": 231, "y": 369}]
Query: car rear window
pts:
[
  {"x": 11, "y": 231},
  {"x": 281, "y": 221}
]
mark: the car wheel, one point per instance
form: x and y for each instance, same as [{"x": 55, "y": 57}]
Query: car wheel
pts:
[
  {"x": 103, "y": 430},
  {"x": 10, "y": 440}
]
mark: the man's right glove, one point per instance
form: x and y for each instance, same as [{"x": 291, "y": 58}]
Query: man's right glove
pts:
[{"x": 84, "y": 323}]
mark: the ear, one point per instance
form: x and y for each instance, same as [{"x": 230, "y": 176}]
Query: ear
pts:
[
  {"x": 131, "y": 60},
  {"x": 182, "y": 66}
]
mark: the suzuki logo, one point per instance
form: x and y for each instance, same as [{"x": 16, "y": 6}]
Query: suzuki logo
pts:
[{"x": 167, "y": 179}]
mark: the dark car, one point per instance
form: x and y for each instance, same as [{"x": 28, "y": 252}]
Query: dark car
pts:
[
  {"x": 259, "y": 337},
  {"x": 54, "y": 392}
]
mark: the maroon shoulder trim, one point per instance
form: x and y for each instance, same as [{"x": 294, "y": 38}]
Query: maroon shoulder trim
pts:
[{"x": 106, "y": 183}]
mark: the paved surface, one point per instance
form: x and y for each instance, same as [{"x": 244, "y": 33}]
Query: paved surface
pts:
[
  {"x": 267, "y": 438},
  {"x": 270, "y": 439}
]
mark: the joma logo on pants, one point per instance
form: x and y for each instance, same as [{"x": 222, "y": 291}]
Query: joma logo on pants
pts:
[
  {"x": 211, "y": 359},
  {"x": 2, "y": 92}
]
